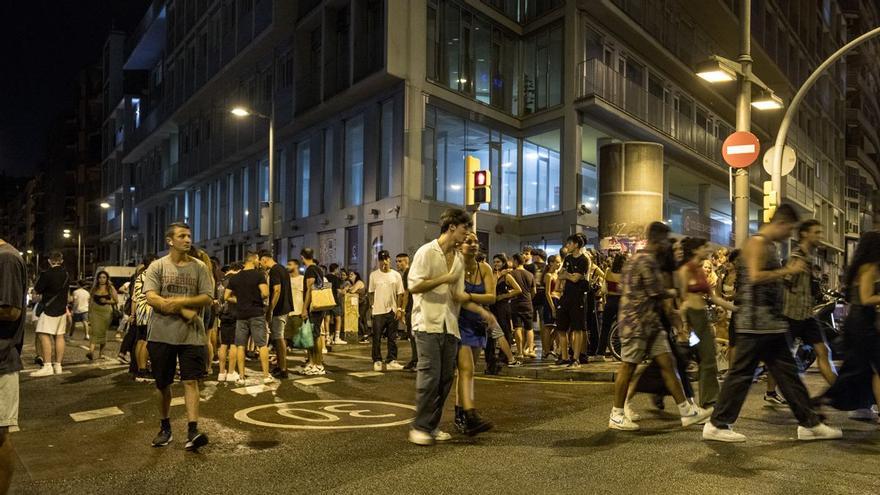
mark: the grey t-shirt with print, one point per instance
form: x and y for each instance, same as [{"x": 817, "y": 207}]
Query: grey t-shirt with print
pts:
[{"x": 170, "y": 280}]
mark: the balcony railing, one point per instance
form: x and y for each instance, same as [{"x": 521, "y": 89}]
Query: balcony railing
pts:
[{"x": 598, "y": 80}]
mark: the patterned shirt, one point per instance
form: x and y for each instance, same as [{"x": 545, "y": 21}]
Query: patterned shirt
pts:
[
  {"x": 640, "y": 304},
  {"x": 759, "y": 306},
  {"x": 142, "y": 310},
  {"x": 797, "y": 298}
]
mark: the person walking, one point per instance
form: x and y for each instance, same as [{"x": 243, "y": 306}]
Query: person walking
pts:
[
  {"x": 248, "y": 290},
  {"x": 81, "y": 298},
  {"x": 613, "y": 283},
  {"x": 103, "y": 302},
  {"x": 436, "y": 280},
  {"x": 277, "y": 310},
  {"x": 643, "y": 307},
  {"x": 386, "y": 301},
  {"x": 52, "y": 288},
  {"x": 178, "y": 287},
  {"x": 762, "y": 335},
  {"x": 143, "y": 312},
  {"x": 13, "y": 313}
]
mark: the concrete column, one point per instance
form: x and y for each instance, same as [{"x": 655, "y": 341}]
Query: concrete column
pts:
[
  {"x": 630, "y": 187},
  {"x": 704, "y": 200},
  {"x": 572, "y": 131}
]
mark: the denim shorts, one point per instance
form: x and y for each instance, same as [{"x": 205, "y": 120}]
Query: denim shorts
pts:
[{"x": 254, "y": 327}]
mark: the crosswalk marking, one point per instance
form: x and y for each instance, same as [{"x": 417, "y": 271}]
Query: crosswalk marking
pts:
[
  {"x": 96, "y": 414},
  {"x": 314, "y": 381},
  {"x": 256, "y": 389},
  {"x": 365, "y": 374},
  {"x": 178, "y": 401}
]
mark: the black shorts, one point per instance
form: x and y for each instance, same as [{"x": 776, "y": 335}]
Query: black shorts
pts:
[
  {"x": 522, "y": 317},
  {"x": 807, "y": 330},
  {"x": 164, "y": 358},
  {"x": 227, "y": 332},
  {"x": 547, "y": 314},
  {"x": 570, "y": 316},
  {"x": 141, "y": 332},
  {"x": 317, "y": 319},
  {"x": 731, "y": 333}
]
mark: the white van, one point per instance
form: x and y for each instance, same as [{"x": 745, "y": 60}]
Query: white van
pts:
[{"x": 118, "y": 274}]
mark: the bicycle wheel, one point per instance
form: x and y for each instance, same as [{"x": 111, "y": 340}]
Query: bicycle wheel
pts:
[{"x": 614, "y": 341}]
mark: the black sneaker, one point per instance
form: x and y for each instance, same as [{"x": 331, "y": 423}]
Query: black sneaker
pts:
[
  {"x": 460, "y": 420},
  {"x": 562, "y": 362},
  {"x": 38, "y": 361},
  {"x": 90, "y": 356},
  {"x": 163, "y": 438},
  {"x": 195, "y": 441},
  {"x": 773, "y": 399},
  {"x": 279, "y": 374},
  {"x": 411, "y": 366},
  {"x": 475, "y": 424}
]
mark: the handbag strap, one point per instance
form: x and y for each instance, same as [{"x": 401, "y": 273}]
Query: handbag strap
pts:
[{"x": 53, "y": 298}]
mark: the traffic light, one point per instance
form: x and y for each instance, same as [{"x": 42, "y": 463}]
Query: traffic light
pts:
[
  {"x": 770, "y": 201},
  {"x": 479, "y": 183}
]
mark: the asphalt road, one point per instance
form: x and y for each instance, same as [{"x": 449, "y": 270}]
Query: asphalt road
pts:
[{"x": 550, "y": 437}]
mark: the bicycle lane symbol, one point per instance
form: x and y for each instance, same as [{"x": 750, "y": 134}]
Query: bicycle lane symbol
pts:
[{"x": 327, "y": 414}]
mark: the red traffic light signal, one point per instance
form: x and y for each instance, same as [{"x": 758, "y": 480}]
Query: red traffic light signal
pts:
[{"x": 480, "y": 178}]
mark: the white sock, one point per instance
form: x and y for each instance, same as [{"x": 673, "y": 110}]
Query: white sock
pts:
[
  {"x": 617, "y": 411},
  {"x": 685, "y": 408}
]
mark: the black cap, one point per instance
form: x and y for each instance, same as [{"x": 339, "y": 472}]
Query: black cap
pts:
[{"x": 383, "y": 255}]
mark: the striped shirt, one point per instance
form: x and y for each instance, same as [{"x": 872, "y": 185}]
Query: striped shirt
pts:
[{"x": 143, "y": 311}]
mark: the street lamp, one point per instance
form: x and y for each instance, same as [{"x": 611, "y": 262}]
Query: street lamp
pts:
[
  {"x": 105, "y": 205},
  {"x": 242, "y": 112},
  {"x": 720, "y": 69},
  {"x": 67, "y": 234}
]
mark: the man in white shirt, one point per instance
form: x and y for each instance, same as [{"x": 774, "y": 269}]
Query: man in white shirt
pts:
[
  {"x": 294, "y": 318},
  {"x": 436, "y": 280},
  {"x": 80, "y": 299},
  {"x": 386, "y": 299}
]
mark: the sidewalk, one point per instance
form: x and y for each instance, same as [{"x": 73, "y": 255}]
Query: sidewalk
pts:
[{"x": 533, "y": 369}]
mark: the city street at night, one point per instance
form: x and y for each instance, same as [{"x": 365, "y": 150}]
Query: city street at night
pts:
[{"x": 549, "y": 437}]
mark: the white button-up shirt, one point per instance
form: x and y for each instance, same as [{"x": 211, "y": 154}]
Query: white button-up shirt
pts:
[{"x": 436, "y": 308}]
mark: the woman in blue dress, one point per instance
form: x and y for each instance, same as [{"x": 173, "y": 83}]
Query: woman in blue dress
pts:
[{"x": 473, "y": 322}]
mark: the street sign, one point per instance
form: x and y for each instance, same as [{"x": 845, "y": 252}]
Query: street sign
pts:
[
  {"x": 789, "y": 160},
  {"x": 740, "y": 149}
]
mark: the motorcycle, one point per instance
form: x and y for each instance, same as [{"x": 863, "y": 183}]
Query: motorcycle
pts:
[{"x": 824, "y": 312}]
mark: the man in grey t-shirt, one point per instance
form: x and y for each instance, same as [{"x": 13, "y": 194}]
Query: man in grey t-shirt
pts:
[{"x": 177, "y": 287}]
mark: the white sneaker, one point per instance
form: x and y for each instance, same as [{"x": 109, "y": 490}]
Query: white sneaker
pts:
[
  {"x": 441, "y": 436},
  {"x": 630, "y": 413},
  {"x": 221, "y": 377},
  {"x": 324, "y": 350},
  {"x": 268, "y": 379},
  {"x": 393, "y": 366},
  {"x": 46, "y": 370},
  {"x": 308, "y": 370},
  {"x": 712, "y": 432},
  {"x": 621, "y": 422},
  {"x": 419, "y": 437},
  {"x": 232, "y": 377},
  {"x": 377, "y": 365},
  {"x": 241, "y": 382},
  {"x": 697, "y": 415},
  {"x": 56, "y": 368},
  {"x": 339, "y": 341},
  {"x": 819, "y": 432},
  {"x": 319, "y": 371}
]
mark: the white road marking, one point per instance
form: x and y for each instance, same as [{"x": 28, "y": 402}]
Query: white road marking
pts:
[
  {"x": 314, "y": 381},
  {"x": 256, "y": 389},
  {"x": 178, "y": 401},
  {"x": 365, "y": 374},
  {"x": 13, "y": 429},
  {"x": 96, "y": 414}
]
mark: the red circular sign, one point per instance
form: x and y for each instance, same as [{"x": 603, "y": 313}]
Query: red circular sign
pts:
[{"x": 741, "y": 149}]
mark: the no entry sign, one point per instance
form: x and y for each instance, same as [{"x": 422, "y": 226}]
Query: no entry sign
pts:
[{"x": 740, "y": 149}]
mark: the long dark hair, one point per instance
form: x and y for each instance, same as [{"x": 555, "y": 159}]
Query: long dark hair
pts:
[
  {"x": 98, "y": 277},
  {"x": 617, "y": 264},
  {"x": 868, "y": 251},
  {"x": 689, "y": 247}
]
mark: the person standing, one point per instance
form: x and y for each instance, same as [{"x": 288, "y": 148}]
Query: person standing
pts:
[
  {"x": 81, "y": 308},
  {"x": 279, "y": 307},
  {"x": 761, "y": 331},
  {"x": 571, "y": 317},
  {"x": 52, "y": 322},
  {"x": 142, "y": 314},
  {"x": 386, "y": 301},
  {"x": 294, "y": 317},
  {"x": 613, "y": 282},
  {"x": 227, "y": 352},
  {"x": 798, "y": 299},
  {"x": 103, "y": 300},
  {"x": 539, "y": 263},
  {"x": 357, "y": 287},
  {"x": 551, "y": 302},
  {"x": 436, "y": 280},
  {"x": 13, "y": 310},
  {"x": 402, "y": 260},
  {"x": 178, "y": 287},
  {"x": 337, "y": 282},
  {"x": 313, "y": 279},
  {"x": 521, "y": 309},
  {"x": 248, "y": 290},
  {"x": 643, "y": 307}
]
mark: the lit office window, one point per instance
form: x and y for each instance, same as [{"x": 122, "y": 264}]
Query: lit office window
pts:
[
  {"x": 245, "y": 198},
  {"x": 264, "y": 181},
  {"x": 589, "y": 186},
  {"x": 541, "y": 173},
  {"x": 303, "y": 178},
  {"x": 354, "y": 161},
  {"x": 386, "y": 149}
]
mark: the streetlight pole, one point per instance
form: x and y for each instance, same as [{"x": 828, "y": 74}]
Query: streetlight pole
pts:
[
  {"x": 743, "y": 123},
  {"x": 272, "y": 175},
  {"x": 122, "y": 232}
]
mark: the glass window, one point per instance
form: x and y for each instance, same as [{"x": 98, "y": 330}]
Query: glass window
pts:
[
  {"x": 303, "y": 175},
  {"x": 482, "y": 35},
  {"x": 452, "y": 45},
  {"x": 197, "y": 215},
  {"x": 245, "y": 197},
  {"x": 386, "y": 148},
  {"x": 541, "y": 173},
  {"x": 264, "y": 181},
  {"x": 354, "y": 161},
  {"x": 542, "y": 71},
  {"x": 449, "y": 169},
  {"x": 507, "y": 188},
  {"x": 230, "y": 202},
  {"x": 330, "y": 197},
  {"x": 589, "y": 186}
]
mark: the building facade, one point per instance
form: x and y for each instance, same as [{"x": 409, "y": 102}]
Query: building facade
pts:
[{"x": 377, "y": 103}]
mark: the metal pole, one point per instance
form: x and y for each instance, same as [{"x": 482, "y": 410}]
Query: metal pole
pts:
[
  {"x": 78, "y": 255},
  {"x": 743, "y": 123},
  {"x": 272, "y": 177},
  {"x": 776, "y": 176},
  {"x": 122, "y": 233}
]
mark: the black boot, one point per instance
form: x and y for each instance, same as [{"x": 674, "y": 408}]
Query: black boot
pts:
[
  {"x": 460, "y": 420},
  {"x": 475, "y": 424}
]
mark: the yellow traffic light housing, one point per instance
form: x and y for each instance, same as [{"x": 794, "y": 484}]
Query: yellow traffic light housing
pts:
[{"x": 479, "y": 183}]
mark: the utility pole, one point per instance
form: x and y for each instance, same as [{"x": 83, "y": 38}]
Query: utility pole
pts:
[{"x": 743, "y": 123}]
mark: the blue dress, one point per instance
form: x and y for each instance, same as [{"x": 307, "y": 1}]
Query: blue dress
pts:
[{"x": 471, "y": 325}]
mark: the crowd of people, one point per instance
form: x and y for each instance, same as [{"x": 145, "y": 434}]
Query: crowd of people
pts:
[{"x": 184, "y": 313}]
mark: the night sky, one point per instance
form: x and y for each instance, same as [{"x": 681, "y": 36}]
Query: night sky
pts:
[{"x": 43, "y": 45}]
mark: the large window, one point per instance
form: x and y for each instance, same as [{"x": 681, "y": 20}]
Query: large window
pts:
[
  {"x": 303, "y": 176},
  {"x": 448, "y": 141},
  {"x": 331, "y": 192},
  {"x": 264, "y": 181},
  {"x": 386, "y": 149},
  {"x": 354, "y": 161},
  {"x": 589, "y": 187},
  {"x": 245, "y": 197},
  {"x": 542, "y": 69},
  {"x": 467, "y": 54},
  {"x": 541, "y": 173}
]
